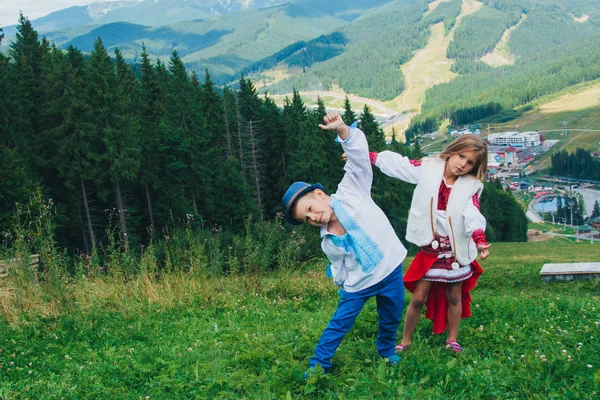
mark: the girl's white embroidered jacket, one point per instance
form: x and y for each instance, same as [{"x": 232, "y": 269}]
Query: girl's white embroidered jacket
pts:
[
  {"x": 463, "y": 217},
  {"x": 370, "y": 250}
]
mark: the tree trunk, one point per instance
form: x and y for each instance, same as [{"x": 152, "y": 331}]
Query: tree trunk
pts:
[
  {"x": 150, "y": 210},
  {"x": 239, "y": 121},
  {"x": 87, "y": 214},
  {"x": 194, "y": 202},
  {"x": 121, "y": 211},
  {"x": 229, "y": 148},
  {"x": 86, "y": 246},
  {"x": 255, "y": 173}
]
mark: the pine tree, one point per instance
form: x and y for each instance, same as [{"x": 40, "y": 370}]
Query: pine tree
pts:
[
  {"x": 251, "y": 139},
  {"x": 373, "y": 132},
  {"x": 77, "y": 146},
  {"x": 151, "y": 113},
  {"x": 349, "y": 116},
  {"x": 275, "y": 181},
  {"x": 27, "y": 54},
  {"x": 181, "y": 140},
  {"x": 334, "y": 163},
  {"x": 596, "y": 210},
  {"x": 114, "y": 127}
]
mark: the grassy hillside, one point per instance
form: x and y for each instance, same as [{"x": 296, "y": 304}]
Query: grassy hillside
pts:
[
  {"x": 251, "y": 337},
  {"x": 578, "y": 106}
]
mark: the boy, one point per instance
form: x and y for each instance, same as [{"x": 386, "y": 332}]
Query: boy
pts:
[{"x": 364, "y": 251}]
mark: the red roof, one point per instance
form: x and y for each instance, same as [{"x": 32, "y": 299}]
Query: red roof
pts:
[{"x": 511, "y": 149}]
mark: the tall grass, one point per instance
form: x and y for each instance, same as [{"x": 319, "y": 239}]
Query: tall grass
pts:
[{"x": 184, "y": 330}]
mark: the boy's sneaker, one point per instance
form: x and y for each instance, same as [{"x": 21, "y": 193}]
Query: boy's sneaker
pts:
[{"x": 394, "y": 359}]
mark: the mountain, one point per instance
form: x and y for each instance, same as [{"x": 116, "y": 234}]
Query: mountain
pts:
[
  {"x": 423, "y": 62},
  {"x": 142, "y": 12},
  {"x": 225, "y": 44}
]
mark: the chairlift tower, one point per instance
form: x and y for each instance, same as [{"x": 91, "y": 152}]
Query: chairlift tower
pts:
[{"x": 565, "y": 127}]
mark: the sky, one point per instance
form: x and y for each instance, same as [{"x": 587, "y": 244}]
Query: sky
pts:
[{"x": 32, "y": 9}]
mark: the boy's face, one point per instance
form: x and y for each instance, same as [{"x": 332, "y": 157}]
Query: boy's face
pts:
[{"x": 313, "y": 208}]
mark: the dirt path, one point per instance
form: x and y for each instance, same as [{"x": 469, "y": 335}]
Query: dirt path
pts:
[
  {"x": 427, "y": 68},
  {"x": 501, "y": 54}
]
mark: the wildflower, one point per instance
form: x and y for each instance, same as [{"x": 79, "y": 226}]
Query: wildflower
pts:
[
  {"x": 480, "y": 329},
  {"x": 512, "y": 339},
  {"x": 476, "y": 305},
  {"x": 67, "y": 357},
  {"x": 564, "y": 351},
  {"x": 569, "y": 358},
  {"x": 543, "y": 358},
  {"x": 589, "y": 365}
]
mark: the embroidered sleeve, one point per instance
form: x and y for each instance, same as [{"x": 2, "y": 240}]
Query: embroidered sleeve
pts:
[
  {"x": 373, "y": 157},
  {"x": 474, "y": 220},
  {"x": 478, "y": 237},
  {"x": 476, "y": 200},
  {"x": 397, "y": 166}
]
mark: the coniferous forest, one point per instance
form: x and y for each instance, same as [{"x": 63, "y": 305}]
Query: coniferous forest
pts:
[{"x": 124, "y": 155}]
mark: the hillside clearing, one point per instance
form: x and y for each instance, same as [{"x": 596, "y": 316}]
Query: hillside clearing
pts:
[
  {"x": 501, "y": 54},
  {"x": 427, "y": 68}
]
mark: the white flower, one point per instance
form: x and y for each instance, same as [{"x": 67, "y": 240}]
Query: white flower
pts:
[{"x": 589, "y": 365}]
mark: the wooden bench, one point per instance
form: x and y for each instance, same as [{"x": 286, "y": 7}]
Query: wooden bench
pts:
[{"x": 570, "y": 271}]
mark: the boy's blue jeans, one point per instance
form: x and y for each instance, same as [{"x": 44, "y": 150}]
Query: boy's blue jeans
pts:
[{"x": 389, "y": 294}]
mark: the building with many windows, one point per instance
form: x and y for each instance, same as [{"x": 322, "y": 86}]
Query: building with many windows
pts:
[{"x": 516, "y": 139}]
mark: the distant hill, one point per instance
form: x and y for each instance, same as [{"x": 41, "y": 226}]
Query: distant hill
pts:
[
  {"x": 142, "y": 12},
  {"x": 225, "y": 44},
  {"x": 429, "y": 61}
]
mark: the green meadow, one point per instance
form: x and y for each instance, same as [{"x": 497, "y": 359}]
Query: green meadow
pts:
[{"x": 250, "y": 336}]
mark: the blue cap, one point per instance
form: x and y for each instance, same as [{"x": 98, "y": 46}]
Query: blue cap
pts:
[{"x": 294, "y": 192}]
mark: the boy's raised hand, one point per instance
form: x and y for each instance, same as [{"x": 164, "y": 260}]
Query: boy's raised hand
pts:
[{"x": 334, "y": 121}]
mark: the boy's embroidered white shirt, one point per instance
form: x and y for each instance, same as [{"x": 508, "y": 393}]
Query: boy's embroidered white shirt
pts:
[{"x": 370, "y": 250}]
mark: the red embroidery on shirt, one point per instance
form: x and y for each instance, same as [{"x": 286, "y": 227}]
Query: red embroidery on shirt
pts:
[
  {"x": 479, "y": 238},
  {"x": 443, "y": 195},
  {"x": 476, "y": 200},
  {"x": 373, "y": 157},
  {"x": 416, "y": 163}
]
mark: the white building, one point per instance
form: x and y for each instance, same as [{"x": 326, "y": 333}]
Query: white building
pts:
[{"x": 516, "y": 139}]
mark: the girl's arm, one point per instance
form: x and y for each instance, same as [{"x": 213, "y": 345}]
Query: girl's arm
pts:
[
  {"x": 397, "y": 166},
  {"x": 475, "y": 224}
]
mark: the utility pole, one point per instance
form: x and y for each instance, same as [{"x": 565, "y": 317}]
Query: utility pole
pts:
[{"x": 565, "y": 127}]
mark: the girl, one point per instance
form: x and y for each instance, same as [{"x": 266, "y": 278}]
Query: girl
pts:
[{"x": 444, "y": 220}]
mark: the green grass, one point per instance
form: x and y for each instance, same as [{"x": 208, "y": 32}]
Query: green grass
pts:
[{"x": 251, "y": 336}]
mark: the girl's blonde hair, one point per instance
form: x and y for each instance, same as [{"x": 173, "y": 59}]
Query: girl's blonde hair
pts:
[{"x": 469, "y": 142}]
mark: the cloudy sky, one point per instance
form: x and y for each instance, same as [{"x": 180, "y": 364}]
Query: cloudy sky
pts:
[{"x": 32, "y": 9}]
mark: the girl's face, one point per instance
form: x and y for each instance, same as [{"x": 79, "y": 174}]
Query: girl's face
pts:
[{"x": 461, "y": 163}]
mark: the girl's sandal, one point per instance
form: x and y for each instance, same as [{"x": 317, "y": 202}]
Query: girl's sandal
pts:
[
  {"x": 401, "y": 347},
  {"x": 454, "y": 346}
]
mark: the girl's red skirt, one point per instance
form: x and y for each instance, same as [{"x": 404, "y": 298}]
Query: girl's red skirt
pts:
[{"x": 437, "y": 304}]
